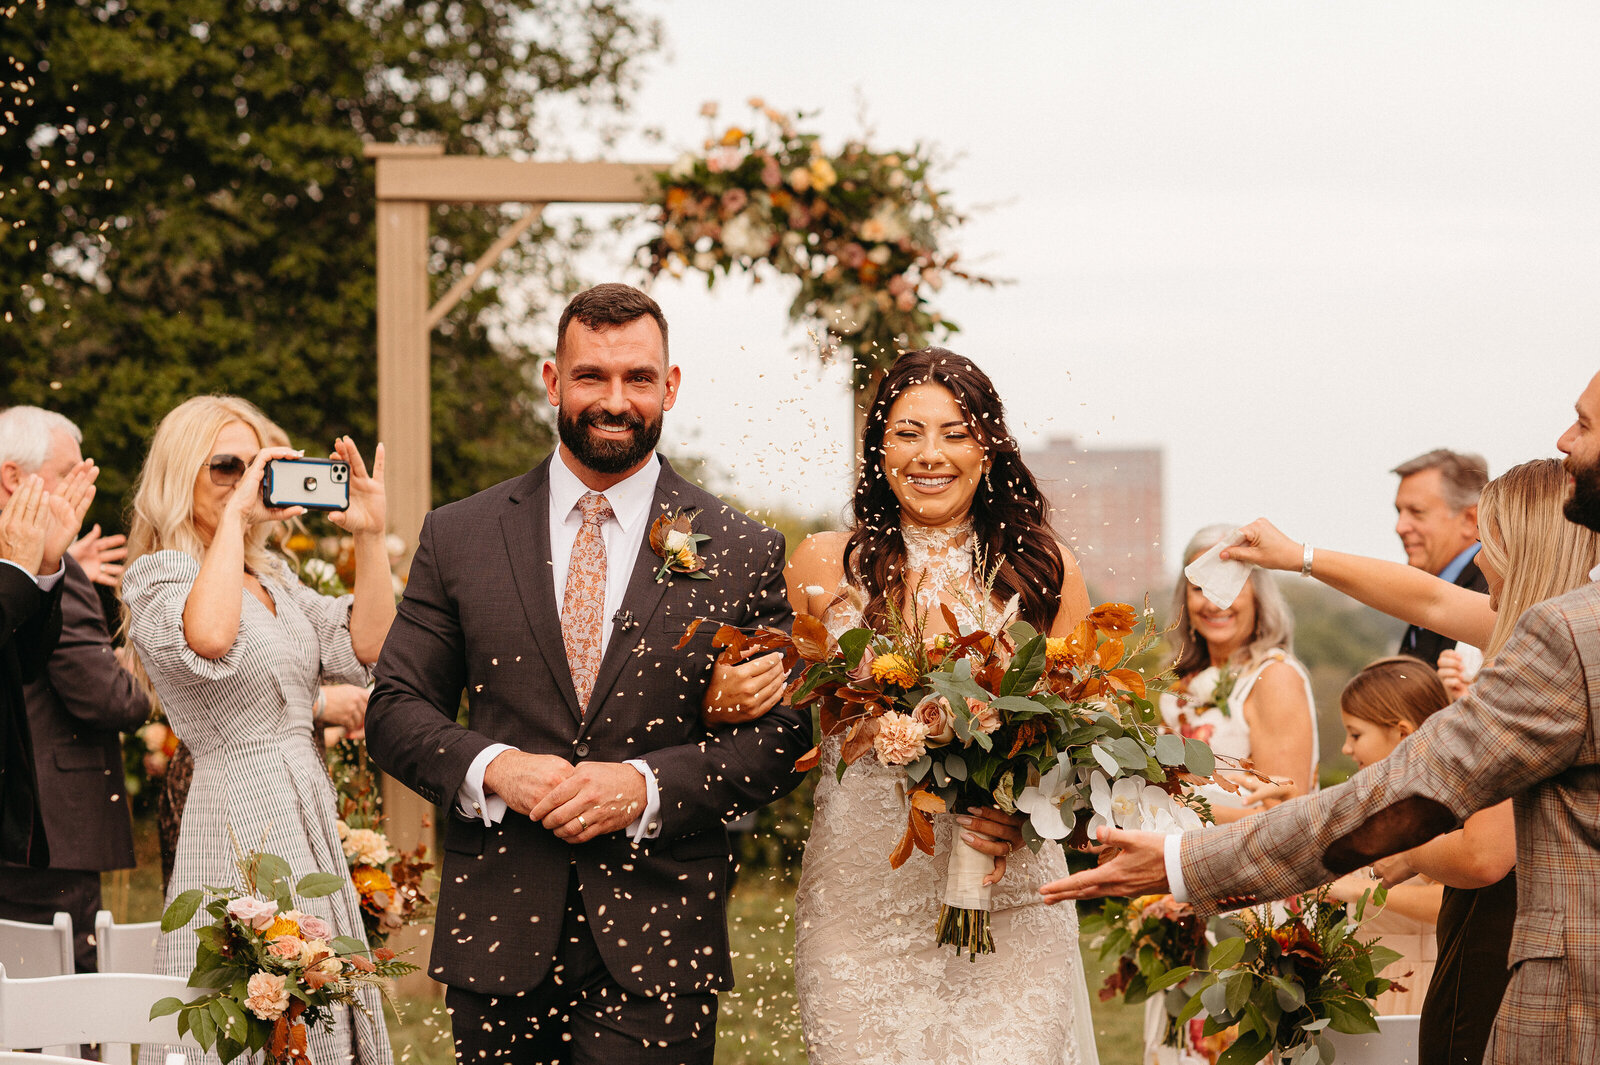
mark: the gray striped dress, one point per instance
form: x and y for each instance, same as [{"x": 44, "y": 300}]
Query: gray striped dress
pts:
[{"x": 258, "y": 777}]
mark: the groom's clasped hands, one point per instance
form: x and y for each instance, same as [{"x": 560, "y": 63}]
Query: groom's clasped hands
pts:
[{"x": 576, "y": 802}]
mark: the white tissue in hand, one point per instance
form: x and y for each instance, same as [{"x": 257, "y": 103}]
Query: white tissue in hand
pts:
[{"x": 1220, "y": 581}]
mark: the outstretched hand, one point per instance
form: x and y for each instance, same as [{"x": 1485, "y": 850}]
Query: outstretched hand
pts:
[
  {"x": 368, "y": 504},
  {"x": 67, "y": 505},
  {"x": 1262, "y": 544},
  {"x": 101, "y": 556},
  {"x": 1133, "y": 863}
]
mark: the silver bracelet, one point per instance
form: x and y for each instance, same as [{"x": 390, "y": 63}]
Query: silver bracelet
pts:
[{"x": 1305, "y": 562}]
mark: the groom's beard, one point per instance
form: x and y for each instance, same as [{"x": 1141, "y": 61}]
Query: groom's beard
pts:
[
  {"x": 1584, "y": 506},
  {"x": 605, "y": 455}
]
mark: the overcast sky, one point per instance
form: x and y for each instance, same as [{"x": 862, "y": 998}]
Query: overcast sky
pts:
[{"x": 1290, "y": 243}]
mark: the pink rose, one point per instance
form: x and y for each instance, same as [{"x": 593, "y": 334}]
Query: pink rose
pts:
[
  {"x": 853, "y": 255},
  {"x": 254, "y": 912},
  {"x": 863, "y": 670},
  {"x": 285, "y": 947},
  {"x": 734, "y": 201},
  {"x": 771, "y": 173},
  {"x": 900, "y": 740},
  {"x": 933, "y": 713},
  {"x": 268, "y": 995},
  {"x": 985, "y": 718},
  {"x": 314, "y": 927}
]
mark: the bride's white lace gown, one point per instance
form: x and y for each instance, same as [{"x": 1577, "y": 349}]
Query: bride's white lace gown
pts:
[{"x": 874, "y": 989}]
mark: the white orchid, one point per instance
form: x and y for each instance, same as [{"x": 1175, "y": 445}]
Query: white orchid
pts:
[
  {"x": 1163, "y": 813},
  {"x": 1042, "y": 802},
  {"x": 1114, "y": 804}
]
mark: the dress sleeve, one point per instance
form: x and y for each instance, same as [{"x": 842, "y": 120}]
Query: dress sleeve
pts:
[
  {"x": 330, "y": 617},
  {"x": 156, "y": 588}
]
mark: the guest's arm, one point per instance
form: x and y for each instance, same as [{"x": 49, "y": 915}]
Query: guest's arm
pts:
[
  {"x": 1480, "y": 853},
  {"x": 83, "y": 670},
  {"x": 1392, "y": 588},
  {"x": 373, "y": 610}
]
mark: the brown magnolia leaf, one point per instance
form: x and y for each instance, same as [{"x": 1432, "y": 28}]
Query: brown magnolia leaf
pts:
[
  {"x": 1117, "y": 619},
  {"x": 858, "y": 741},
  {"x": 927, "y": 801},
  {"x": 658, "y": 535},
  {"x": 1128, "y": 680},
  {"x": 810, "y": 638},
  {"x": 297, "y": 1044},
  {"x": 1110, "y": 653},
  {"x": 808, "y": 761},
  {"x": 828, "y": 714},
  {"x": 688, "y": 634},
  {"x": 1081, "y": 641},
  {"x": 731, "y": 638},
  {"x": 952, "y": 624},
  {"x": 921, "y": 830},
  {"x": 902, "y": 850}
]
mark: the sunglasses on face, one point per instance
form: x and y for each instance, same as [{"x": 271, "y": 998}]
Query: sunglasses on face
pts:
[{"x": 226, "y": 470}]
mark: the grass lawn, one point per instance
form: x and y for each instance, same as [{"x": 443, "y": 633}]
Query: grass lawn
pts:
[{"x": 757, "y": 1024}]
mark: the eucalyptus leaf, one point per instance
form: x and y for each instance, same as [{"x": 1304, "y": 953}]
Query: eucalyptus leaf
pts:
[
  {"x": 1169, "y": 749},
  {"x": 347, "y": 945},
  {"x": 955, "y": 766},
  {"x": 316, "y": 885},
  {"x": 1227, "y": 952},
  {"x": 919, "y": 769},
  {"x": 1240, "y": 988},
  {"x": 1197, "y": 758},
  {"x": 182, "y": 910},
  {"x": 1129, "y": 752},
  {"x": 1107, "y": 761}
]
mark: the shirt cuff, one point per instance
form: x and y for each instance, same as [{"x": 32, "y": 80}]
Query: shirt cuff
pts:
[
  {"x": 471, "y": 800},
  {"x": 44, "y": 583},
  {"x": 1174, "y": 862},
  {"x": 649, "y": 824}
]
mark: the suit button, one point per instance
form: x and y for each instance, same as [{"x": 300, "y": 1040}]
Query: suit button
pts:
[{"x": 581, "y": 750}]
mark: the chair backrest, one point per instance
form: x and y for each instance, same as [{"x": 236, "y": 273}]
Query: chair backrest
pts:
[
  {"x": 125, "y": 948},
  {"x": 33, "y": 950},
  {"x": 1394, "y": 1043},
  {"x": 107, "y": 1008},
  {"x": 17, "y": 1057}
]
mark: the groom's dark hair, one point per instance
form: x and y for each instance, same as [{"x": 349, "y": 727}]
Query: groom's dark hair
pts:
[{"x": 605, "y": 306}]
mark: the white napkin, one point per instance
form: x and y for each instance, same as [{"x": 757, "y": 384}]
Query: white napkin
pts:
[
  {"x": 1220, "y": 581},
  {"x": 1471, "y": 661}
]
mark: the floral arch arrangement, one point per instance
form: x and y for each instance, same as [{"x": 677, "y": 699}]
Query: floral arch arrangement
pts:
[{"x": 861, "y": 230}]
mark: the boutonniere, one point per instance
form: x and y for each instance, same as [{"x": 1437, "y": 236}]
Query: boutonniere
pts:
[
  {"x": 1209, "y": 689},
  {"x": 674, "y": 539}
]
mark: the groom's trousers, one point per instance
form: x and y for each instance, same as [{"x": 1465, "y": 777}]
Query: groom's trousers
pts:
[{"x": 579, "y": 1015}]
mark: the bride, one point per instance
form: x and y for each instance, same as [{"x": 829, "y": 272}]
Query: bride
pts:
[{"x": 942, "y": 490}]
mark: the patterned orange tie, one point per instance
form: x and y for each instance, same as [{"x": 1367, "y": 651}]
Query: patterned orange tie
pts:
[{"x": 583, "y": 605}]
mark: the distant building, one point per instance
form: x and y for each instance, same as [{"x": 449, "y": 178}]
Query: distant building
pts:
[{"x": 1105, "y": 504}]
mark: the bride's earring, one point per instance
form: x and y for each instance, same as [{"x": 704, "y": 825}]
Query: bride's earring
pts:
[{"x": 988, "y": 485}]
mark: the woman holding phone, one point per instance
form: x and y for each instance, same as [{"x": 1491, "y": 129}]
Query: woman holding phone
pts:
[{"x": 236, "y": 648}]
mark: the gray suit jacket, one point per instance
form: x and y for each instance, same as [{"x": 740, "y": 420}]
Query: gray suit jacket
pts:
[
  {"x": 1527, "y": 730},
  {"x": 77, "y": 710},
  {"x": 480, "y": 615}
]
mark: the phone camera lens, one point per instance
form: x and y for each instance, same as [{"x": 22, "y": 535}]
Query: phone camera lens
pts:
[{"x": 311, "y": 484}]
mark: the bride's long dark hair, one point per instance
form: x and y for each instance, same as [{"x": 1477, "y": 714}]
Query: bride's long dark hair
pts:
[{"x": 1008, "y": 511}]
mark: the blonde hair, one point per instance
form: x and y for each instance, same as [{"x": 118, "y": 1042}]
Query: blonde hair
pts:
[
  {"x": 163, "y": 495},
  {"x": 1528, "y": 540},
  {"x": 1274, "y": 624},
  {"x": 1394, "y": 691}
]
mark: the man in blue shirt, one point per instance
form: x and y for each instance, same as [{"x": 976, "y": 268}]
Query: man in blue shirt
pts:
[{"x": 1436, "y": 511}]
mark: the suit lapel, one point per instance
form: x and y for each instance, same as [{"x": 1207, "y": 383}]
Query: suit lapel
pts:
[
  {"x": 644, "y": 595},
  {"x": 526, "y": 526}
]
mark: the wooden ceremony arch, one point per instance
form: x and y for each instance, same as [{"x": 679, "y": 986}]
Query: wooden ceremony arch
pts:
[{"x": 410, "y": 180}]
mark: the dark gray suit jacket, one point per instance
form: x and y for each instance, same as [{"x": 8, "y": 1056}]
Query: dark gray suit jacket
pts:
[
  {"x": 480, "y": 615},
  {"x": 77, "y": 709},
  {"x": 30, "y": 622}
]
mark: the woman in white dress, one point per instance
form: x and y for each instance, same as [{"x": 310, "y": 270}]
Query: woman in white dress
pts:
[
  {"x": 941, "y": 484},
  {"x": 1240, "y": 690},
  {"x": 235, "y": 647}
]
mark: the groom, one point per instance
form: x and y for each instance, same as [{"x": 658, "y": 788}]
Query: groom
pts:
[
  {"x": 1528, "y": 729},
  {"x": 581, "y": 910}
]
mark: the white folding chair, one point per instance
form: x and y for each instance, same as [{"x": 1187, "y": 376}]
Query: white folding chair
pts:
[
  {"x": 17, "y": 1057},
  {"x": 125, "y": 948},
  {"x": 33, "y": 950},
  {"x": 1394, "y": 1043},
  {"x": 112, "y": 1009}
]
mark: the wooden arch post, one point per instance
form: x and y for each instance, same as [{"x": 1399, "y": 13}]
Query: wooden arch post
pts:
[{"x": 411, "y": 180}]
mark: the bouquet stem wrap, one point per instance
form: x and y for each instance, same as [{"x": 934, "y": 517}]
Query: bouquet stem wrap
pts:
[{"x": 964, "y": 919}]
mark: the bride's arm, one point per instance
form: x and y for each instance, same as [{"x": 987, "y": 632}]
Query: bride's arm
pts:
[
  {"x": 1074, "y": 595},
  {"x": 744, "y": 691}
]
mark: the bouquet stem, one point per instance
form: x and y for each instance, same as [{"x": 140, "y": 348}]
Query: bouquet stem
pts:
[{"x": 964, "y": 919}]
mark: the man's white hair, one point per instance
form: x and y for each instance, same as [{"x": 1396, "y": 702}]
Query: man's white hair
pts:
[{"x": 25, "y": 434}]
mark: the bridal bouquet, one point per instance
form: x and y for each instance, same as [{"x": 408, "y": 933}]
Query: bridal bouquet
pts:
[
  {"x": 390, "y": 882},
  {"x": 270, "y": 970},
  {"x": 1283, "y": 974},
  {"x": 1058, "y": 728}
]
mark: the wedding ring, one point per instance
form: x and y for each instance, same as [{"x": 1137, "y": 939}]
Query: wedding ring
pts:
[{"x": 582, "y": 823}]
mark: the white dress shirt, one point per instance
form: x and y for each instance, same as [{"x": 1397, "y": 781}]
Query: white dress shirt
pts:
[
  {"x": 623, "y": 534},
  {"x": 44, "y": 583}
]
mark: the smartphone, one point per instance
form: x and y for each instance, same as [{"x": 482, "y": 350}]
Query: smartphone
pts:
[{"x": 316, "y": 484}]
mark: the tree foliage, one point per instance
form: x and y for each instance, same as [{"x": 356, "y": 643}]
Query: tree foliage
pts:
[{"x": 186, "y": 207}]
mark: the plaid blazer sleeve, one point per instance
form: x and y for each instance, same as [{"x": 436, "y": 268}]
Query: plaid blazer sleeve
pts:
[{"x": 1524, "y": 721}]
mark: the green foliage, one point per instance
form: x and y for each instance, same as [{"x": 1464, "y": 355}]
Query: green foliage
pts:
[{"x": 185, "y": 208}]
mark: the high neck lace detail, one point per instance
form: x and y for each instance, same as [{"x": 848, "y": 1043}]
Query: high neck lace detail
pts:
[{"x": 936, "y": 552}]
